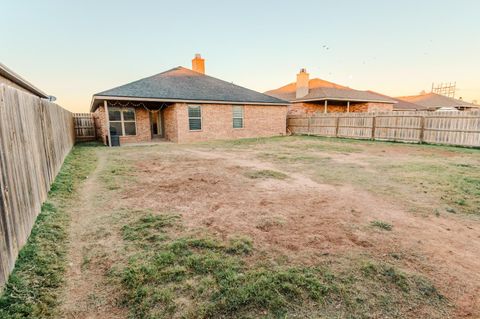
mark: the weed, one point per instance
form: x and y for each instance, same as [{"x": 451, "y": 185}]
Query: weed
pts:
[
  {"x": 148, "y": 228},
  {"x": 265, "y": 174},
  {"x": 285, "y": 157},
  {"x": 451, "y": 210},
  {"x": 266, "y": 224},
  {"x": 464, "y": 165},
  {"x": 382, "y": 225},
  {"x": 240, "y": 246}
]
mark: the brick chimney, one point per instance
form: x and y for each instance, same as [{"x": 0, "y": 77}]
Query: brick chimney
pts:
[
  {"x": 302, "y": 83},
  {"x": 198, "y": 64}
]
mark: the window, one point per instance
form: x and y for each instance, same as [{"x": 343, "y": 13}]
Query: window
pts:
[
  {"x": 237, "y": 116},
  {"x": 122, "y": 121},
  {"x": 194, "y": 117}
]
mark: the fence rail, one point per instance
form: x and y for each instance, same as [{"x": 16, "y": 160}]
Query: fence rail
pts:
[
  {"x": 35, "y": 137},
  {"x": 451, "y": 128},
  {"x": 84, "y": 127}
]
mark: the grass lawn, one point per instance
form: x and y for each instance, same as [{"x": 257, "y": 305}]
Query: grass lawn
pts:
[
  {"x": 35, "y": 285},
  {"x": 299, "y": 226}
]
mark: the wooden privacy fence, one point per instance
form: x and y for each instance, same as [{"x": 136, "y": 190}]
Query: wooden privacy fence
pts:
[
  {"x": 35, "y": 137},
  {"x": 452, "y": 128},
  {"x": 84, "y": 127}
]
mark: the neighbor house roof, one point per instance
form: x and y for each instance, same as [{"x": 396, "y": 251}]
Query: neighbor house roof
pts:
[
  {"x": 323, "y": 90},
  {"x": 18, "y": 80},
  {"x": 433, "y": 100},
  {"x": 402, "y": 105},
  {"x": 184, "y": 85}
]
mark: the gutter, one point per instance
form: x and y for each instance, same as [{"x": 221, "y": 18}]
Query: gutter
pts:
[
  {"x": 17, "y": 79},
  {"x": 124, "y": 98},
  {"x": 344, "y": 99}
]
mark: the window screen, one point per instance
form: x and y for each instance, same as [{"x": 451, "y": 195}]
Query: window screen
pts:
[
  {"x": 237, "y": 115},
  {"x": 194, "y": 117},
  {"x": 122, "y": 121}
]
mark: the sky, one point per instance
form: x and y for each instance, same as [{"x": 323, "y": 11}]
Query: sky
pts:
[{"x": 74, "y": 49}]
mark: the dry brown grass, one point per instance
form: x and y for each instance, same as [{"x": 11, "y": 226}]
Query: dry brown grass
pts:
[{"x": 319, "y": 215}]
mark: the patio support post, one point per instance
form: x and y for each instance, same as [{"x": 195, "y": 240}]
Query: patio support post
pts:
[
  {"x": 326, "y": 107},
  {"x": 107, "y": 119},
  {"x": 348, "y": 106}
]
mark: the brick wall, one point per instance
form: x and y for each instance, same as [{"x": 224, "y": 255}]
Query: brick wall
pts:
[
  {"x": 142, "y": 123},
  {"x": 259, "y": 121},
  {"x": 144, "y": 132},
  {"x": 169, "y": 117},
  {"x": 100, "y": 126},
  {"x": 380, "y": 107}
]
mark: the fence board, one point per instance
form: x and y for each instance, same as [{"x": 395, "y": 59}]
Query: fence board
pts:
[
  {"x": 35, "y": 137},
  {"x": 84, "y": 127},
  {"x": 452, "y": 128}
]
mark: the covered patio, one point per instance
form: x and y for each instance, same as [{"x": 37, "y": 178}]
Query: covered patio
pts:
[{"x": 132, "y": 121}]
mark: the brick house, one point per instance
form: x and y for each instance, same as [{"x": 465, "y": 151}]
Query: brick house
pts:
[
  {"x": 317, "y": 95},
  {"x": 183, "y": 105}
]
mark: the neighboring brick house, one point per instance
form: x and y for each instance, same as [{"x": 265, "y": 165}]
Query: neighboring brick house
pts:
[
  {"x": 316, "y": 95},
  {"x": 183, "y": 105}
]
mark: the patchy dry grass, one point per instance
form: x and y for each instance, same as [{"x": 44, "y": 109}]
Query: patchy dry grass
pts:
[
  {"x": 209, "y": 231},
  {"x": 171, "y": 274},
  {"x": 418, "y": 173},
  {"x": 33, "y": 288},
  {"x": 117, "y": 173},
  {"x": 265, "y": 174}
]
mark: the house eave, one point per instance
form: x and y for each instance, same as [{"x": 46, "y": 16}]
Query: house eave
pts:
[
  {"x": 126, "y": 98},
  {"x": 343, "y": 100},
  {"x": 17, "y": 79}
]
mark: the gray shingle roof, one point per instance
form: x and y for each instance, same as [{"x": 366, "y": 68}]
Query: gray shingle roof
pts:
[
  {"x": 402, "y": 105},
  {"x": 182, "y": 84},
  {"x": 433, "y": 100},
  {"x": 408, "y": 106},
  {"x": 323, "y": 90}
]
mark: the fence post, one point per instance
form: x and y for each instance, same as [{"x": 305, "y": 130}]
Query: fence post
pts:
[
  {"x": 308, "y": 130},
  {"x": 94, "y": 127},
  {"x": 422, "y": 129},
  {"x": 336, "y": 125},
  {"x": 374, "y": 120}
]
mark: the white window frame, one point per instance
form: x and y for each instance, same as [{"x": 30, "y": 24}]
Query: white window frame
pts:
[
  {"x": 195, "y": 117},
  {"x": 242, "y": 107},
  {"x": 122, "y": 121}
]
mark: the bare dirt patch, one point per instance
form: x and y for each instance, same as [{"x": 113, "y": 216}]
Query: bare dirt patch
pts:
[
  {"x": 94, "y": 246},
  {"x": 303, "y": 220},
  {"x": 322, "y": 211}
]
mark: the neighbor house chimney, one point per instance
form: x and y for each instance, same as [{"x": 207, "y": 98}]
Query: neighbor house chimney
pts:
[
  {"x": 302, "y": 83},
  {"x": 198, "y": 64}
]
